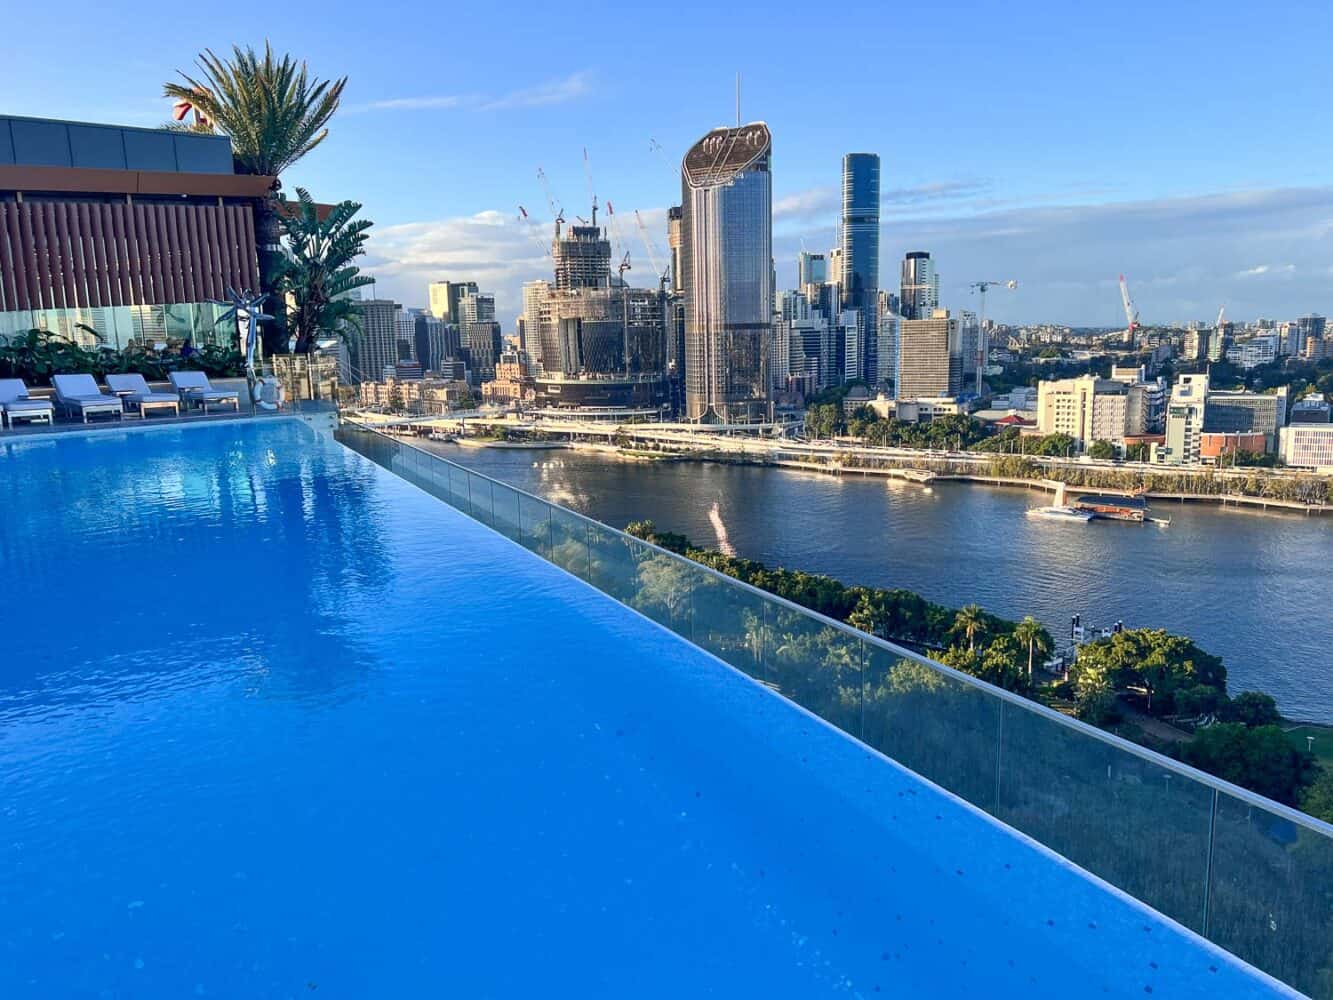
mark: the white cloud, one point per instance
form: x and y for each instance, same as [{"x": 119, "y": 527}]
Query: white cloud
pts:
[
  {"x": 568, "y": 88},
  {"x": 806, "y": 204},
  {"x": 558, "y": 91},
  {"x": 1278, "y": 270},
  {"x": 1184, "y": 256}
]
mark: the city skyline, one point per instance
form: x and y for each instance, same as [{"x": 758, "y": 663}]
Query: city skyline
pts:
[{"x": 1073, "y": 171}]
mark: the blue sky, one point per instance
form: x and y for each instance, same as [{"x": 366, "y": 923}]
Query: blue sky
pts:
[{"x": 1060, "y": 144}]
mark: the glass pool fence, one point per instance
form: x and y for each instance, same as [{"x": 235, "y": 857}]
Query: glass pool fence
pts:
[{"x": 1247, "y": 873}]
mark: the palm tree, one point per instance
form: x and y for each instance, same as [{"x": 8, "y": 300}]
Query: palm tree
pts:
[
  {"x": 274, "y": 114},
  {"x": 319, "y": 272},
  {"x": 1030, "y": 633},
  {"x": 970, "y": 622}
]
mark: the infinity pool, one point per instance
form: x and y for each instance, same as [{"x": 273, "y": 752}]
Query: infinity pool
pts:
[{"x": 274, "y": 723}]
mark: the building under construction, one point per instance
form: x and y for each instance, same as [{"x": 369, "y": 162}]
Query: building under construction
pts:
[{"x": 595, "y": 341}]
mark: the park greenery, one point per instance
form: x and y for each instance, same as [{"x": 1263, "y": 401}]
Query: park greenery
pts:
[
  {"x": 36, "y": 355},
  {"x": 1124, "y": 682}
]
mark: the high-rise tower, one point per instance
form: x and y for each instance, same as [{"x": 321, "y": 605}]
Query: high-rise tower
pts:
[
  {"x": 860, "y": 254},
  {"x": 727, "y": 266},
  {"x": 920, "y": 286}
]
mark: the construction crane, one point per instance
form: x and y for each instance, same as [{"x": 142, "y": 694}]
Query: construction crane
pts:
[
  {"x": 1131, "y": 313},
  {"x": 653, "y": 254},
  {"x": 655, "y": 147},
  {"x": 624, "y": 309},
  {"x": 528, "y": 226},
  {"x": 613, "y": 224},
  {"x": 981, "y": 288},
  {"x": 552, "y": 202}
]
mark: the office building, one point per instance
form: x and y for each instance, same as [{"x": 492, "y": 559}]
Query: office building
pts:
[
  {"x": 920, "y": 293},
  {"x": 1308, "y": 328},
  {"x": 435, "y": 341},
  {"x": 727, "y": 259},
  {"x": 444, "y": 298},
  {"x": 1247, "y": 413},
  {"x": 374, "y": 347},
  {"x": 1307, "y": 446},
  {"x": 132, "y": 232},
  {"x": 811, "y": 269},
  {"x": 479, "y": 333},
  {"x": 886, "y": 349},
  {"x": 860, "y": 259},
  {"x": 930, "y": 357},
  {"x": 1090, "y": 409}
]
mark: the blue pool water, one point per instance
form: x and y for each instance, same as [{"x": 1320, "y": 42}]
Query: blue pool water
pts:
[{"x": 274, "y": 723}]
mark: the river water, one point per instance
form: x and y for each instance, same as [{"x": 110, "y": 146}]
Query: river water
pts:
[{"x": 1252, "y": 587}]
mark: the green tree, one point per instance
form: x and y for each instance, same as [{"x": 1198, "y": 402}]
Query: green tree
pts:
[
  {"x": 970, "y": 622},
  {"x": 1153, "y": 662},
  {"x": 1251, "y": 708},
  {"x": 1030, "y": 634},
  {"x": 275, "y": 114},
  {"x": 1261, "y": 759},
  {"x": 1102, "y": 451},
  {"x": 319, "y": 271},
  {"x": 1318, "y": 798}
]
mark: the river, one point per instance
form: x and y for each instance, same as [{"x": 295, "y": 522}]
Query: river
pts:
[{"x": 1250, "y": 586}]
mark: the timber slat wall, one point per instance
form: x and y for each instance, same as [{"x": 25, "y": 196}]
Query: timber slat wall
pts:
[{"x": 60, "y": 254}]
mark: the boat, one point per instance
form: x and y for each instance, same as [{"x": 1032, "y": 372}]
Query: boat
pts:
[
  {"x": 1060, "y": 514},
  {"x": 1113, "y": 508},
  {"x": 1060, "y": 511}
]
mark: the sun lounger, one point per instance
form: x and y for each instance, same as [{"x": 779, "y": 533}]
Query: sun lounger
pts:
[
  {"x": 193, "y": 388},
  {"x": 80, "y": 394},
  {"x": 134, "y": 392},
  {"x": 16, "y": 405}
]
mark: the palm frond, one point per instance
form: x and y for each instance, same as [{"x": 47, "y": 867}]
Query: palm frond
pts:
[{"x": 269, "y": 106}]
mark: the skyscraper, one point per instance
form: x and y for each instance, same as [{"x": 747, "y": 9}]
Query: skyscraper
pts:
[
  {"x": 444, "y": 298},
  {"x": 920, "y": 286},
  {"x": 727, "y": 260},
  {"x": 860, "y": 255},
  {"x": 811, "y": 269}
]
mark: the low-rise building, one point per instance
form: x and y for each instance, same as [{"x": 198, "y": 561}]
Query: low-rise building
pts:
[
  {"x": 927, "y": 408},
  {"x": 1313, "y": 409},
  {"x": 513, "y": 382},
  {"x": 1216, "y": 447},
  {"x": 423, "y": 396},
  {"x": 1307, "y": 446}
]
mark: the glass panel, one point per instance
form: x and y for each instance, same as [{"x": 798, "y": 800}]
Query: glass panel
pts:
[
  {"x": 535, "y": 524},
  {"x": 729, "y": 622},
  {"x": 1137, "y": 824},
  {"x": 942, "y": 728},
  {"x": 814, "y": 664},
  {"x": 614, "y": 563},
  {"x": 663, "y": 587},
  {"x": 439, "y": 476},
  {"x": 479, "y": 492},
  {"x": 504, "y": 504},
  {"x": 458, "y": 489},
  {"x": 569, "y": 542},
  {"x": 1271, "y": 898}
]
